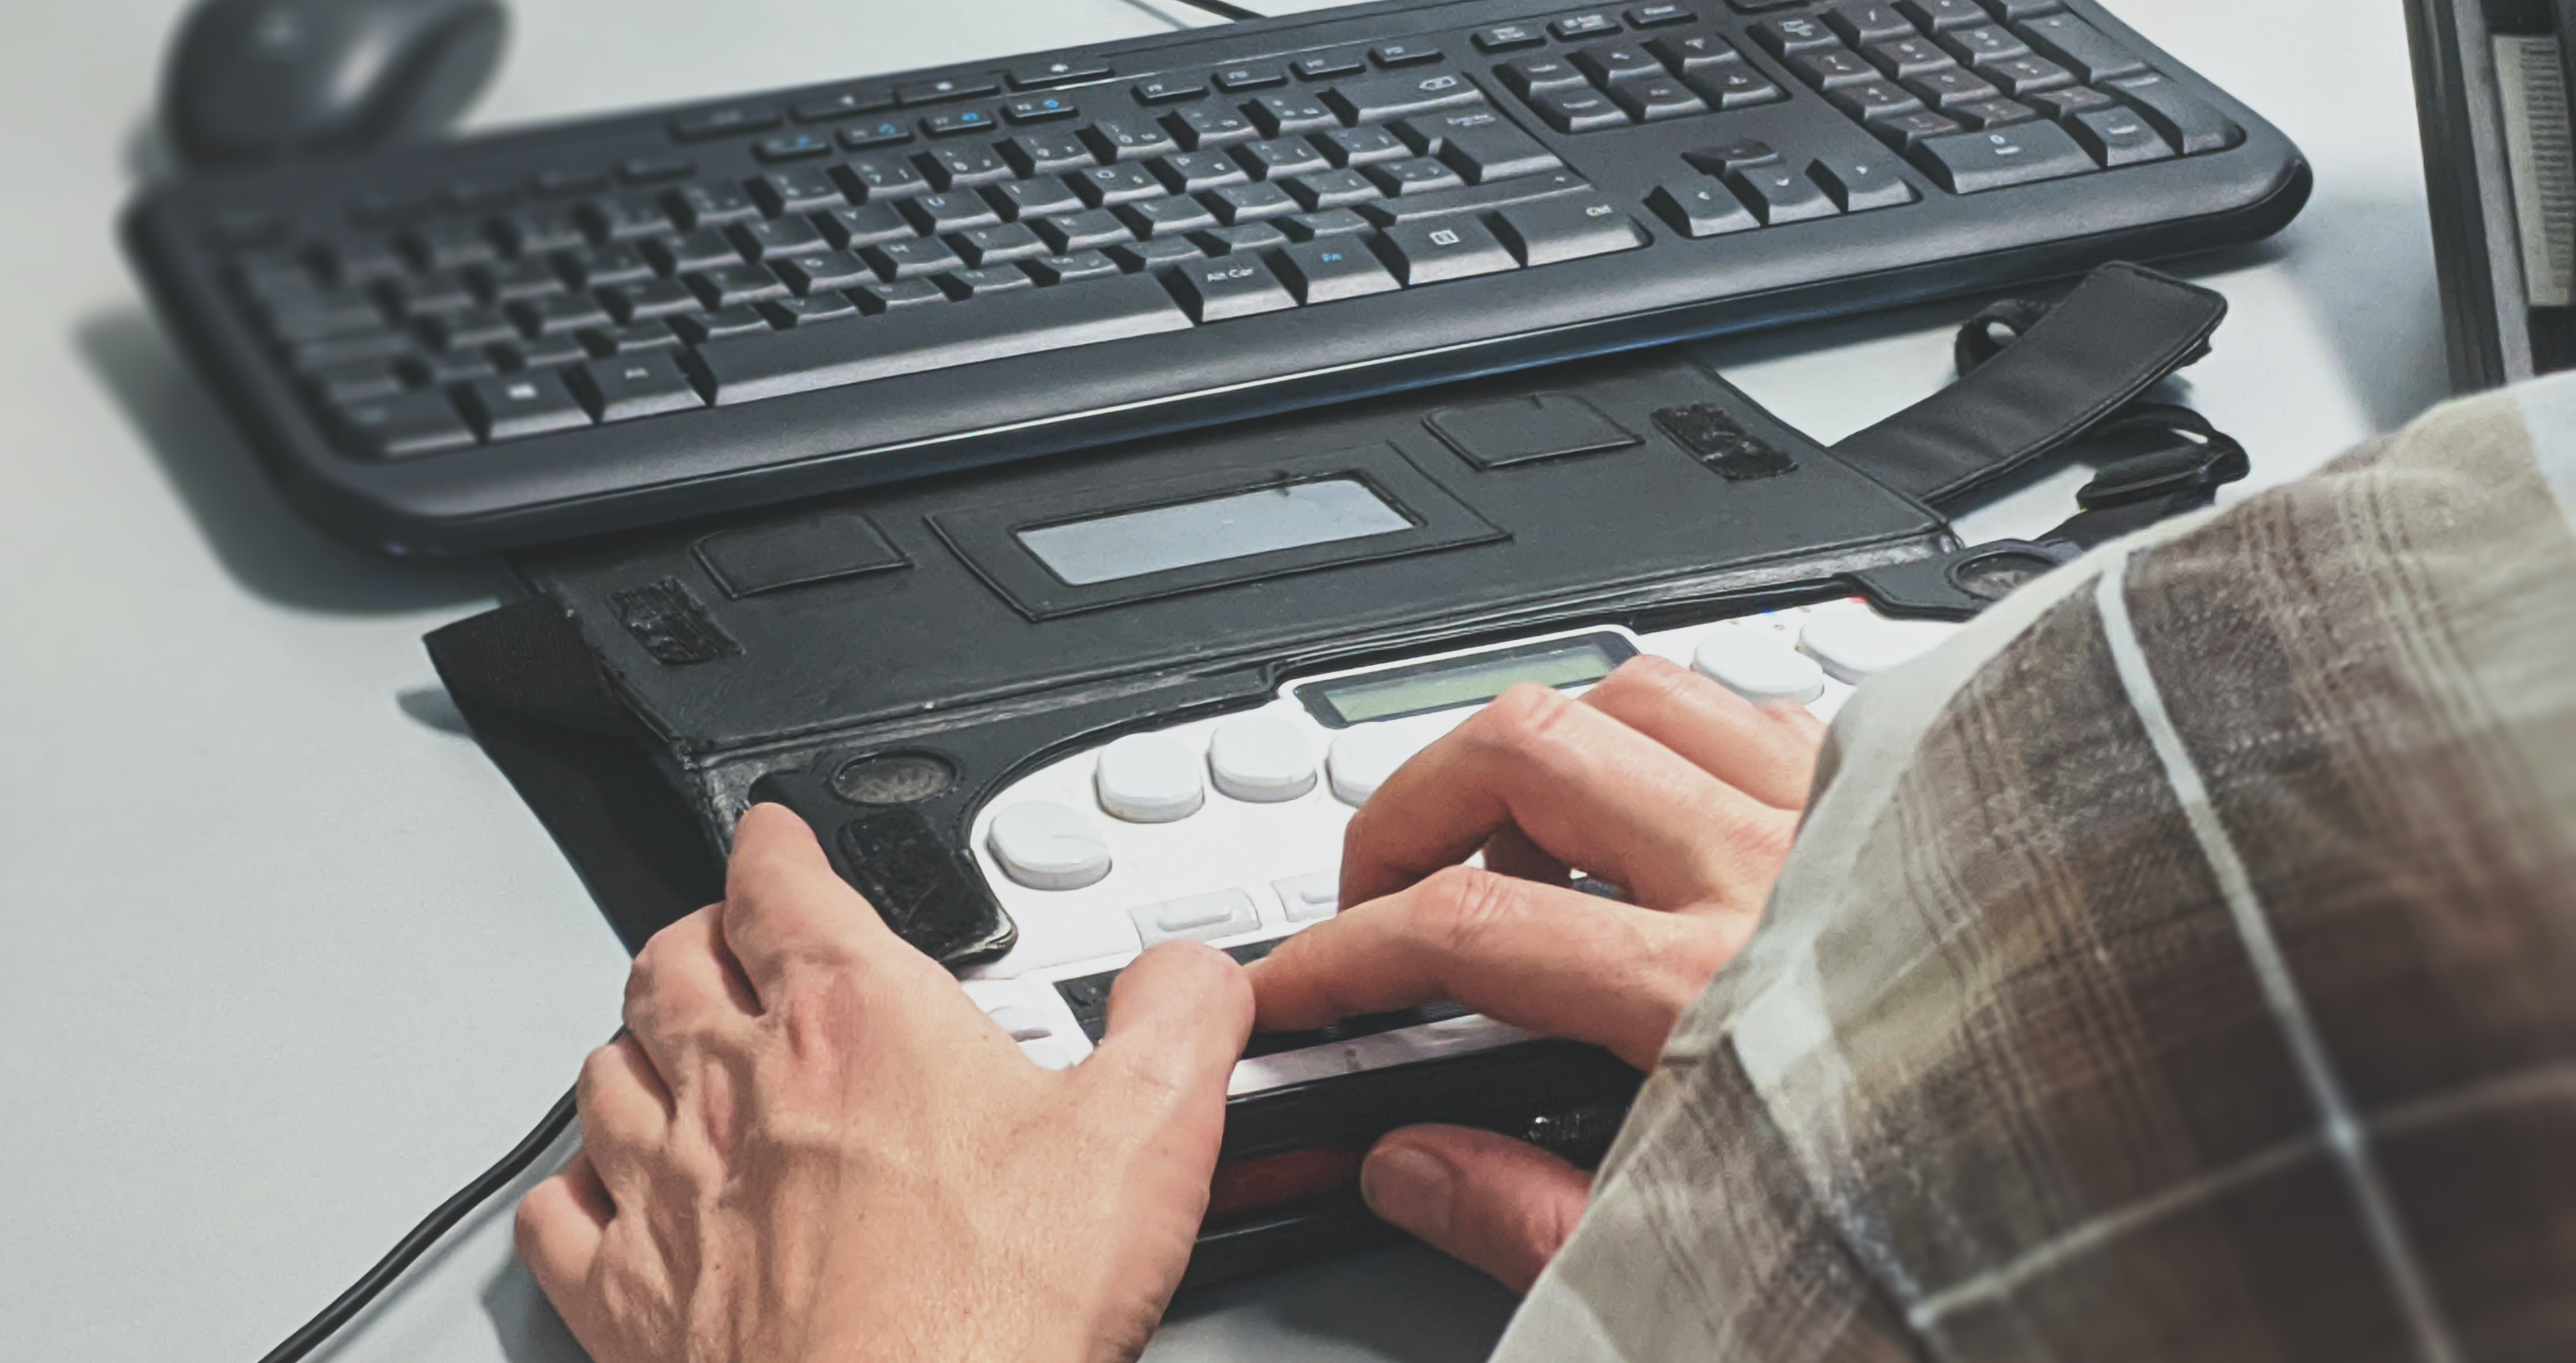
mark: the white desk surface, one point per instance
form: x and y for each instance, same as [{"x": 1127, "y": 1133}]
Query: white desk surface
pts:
[{"x": 282, "y": 959}]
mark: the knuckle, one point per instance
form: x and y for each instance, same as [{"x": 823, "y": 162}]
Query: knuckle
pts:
[
  {"x": 1466, "y": 906},
  {"x": 1522, "y": 719}
]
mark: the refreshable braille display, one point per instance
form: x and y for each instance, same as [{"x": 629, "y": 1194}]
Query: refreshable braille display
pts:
[{"x": 522, "y": 337}]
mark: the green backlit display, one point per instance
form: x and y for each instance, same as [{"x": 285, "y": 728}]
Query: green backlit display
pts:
[{"x": 1470, "y": 680}]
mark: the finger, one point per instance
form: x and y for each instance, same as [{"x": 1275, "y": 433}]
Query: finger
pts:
[
  {"x": 1756, "y": 750},
  {"x": 685, "y": 986},
  {"x": 1178, "y": 1018},
  {"x": 784, "y": 907},
  {"x": 1491, "y": 1201},
  {"x": 1587, "y": 789},
  {"x": 1509, "y": 852},
  {"x": 625, "y": 1107},
  {"x": 559, "y": 1226},
  {"x": 1543, "y": 958}
]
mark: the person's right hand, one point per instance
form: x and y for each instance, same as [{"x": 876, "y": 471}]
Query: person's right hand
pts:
[{"x": 1658, "y": 781}]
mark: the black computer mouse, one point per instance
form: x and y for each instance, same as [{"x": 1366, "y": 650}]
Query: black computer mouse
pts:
[{"x": 253, "y": 81}]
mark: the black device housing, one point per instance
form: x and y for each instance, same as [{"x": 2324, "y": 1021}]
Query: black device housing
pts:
[{"x": 821, "y": 442}]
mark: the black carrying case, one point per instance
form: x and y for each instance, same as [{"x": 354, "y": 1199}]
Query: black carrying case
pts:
[{"x": 884, "y": 662}]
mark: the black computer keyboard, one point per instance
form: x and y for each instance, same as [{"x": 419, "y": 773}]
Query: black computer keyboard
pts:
[{"x": 523, "y": 337}]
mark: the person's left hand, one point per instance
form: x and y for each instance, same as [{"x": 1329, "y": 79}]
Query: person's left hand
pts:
[{"x": 811, "y": 1144}]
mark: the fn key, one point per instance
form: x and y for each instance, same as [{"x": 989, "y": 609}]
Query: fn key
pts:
[{"x": 630, "y": 386}]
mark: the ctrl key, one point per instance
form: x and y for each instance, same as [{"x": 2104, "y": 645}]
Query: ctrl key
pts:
[
  {"x": 630, "y": 386},
  {"x": 402, "y": 427}
]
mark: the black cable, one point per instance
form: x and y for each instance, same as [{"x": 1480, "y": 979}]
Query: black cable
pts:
[
  {"x": 347, "y": 1305},
  {"x": 1222, "y": 10}
]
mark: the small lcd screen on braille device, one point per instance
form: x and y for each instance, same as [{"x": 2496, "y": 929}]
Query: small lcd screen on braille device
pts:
[
  {"x": 1159, "y": 539},
  {"x": 1470, "y": 680}
]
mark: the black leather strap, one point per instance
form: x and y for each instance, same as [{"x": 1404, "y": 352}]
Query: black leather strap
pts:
[{"x": 2118, "y": 334}]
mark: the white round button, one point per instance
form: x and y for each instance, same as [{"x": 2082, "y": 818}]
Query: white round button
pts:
[
  {"x": 1147, "y": 778},
  {"x": 1361, "y": 759},
  {"x": 1045, "y": 846},
  {"x": 1758, "y": 667},
  {"x": 1261, "y": 758},
  {"x": 1856, "y": 643}
]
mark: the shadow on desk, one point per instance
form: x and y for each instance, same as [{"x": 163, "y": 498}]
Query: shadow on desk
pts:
[{"x": 260, "y": 540}]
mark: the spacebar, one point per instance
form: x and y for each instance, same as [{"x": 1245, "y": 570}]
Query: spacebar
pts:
[{"x": 939, "y": 336}]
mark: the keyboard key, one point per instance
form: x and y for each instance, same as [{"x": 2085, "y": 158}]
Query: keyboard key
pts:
[
  {"x": 792, "y": 147},
  {"x": 902, "y": 293},
  {"x": 1610, "y": 63},
  {"x": 1857, "y": 184},
  {"x": 1995, "y": 113},
  {"x": 1683, "y": 53},
  {"x": 1055, "y": 72},
  {"x": 851, "y": 228},
  {"x": 1168, "y": 90},
  {"x": 911, "y": 259},
  {"x": 1872, "y": 100},
  {"x": 1733, "y": 86},
  {"x": 1280, "y": 156},
  {"x": 1234, "y": 80},
  {"x": 996, "y": 245},
  {"x": 953, "y": 122},
  {"x": 1579, "y": 111},
  {"x": 779, "y": 237},
  {"x": 1291, "y": 112},
  {"x": 1967, "y": 163},
  {"x": 560, "y": 314},
  {"x": 455, "y": 367},
  {"x": 518, "y": 279},
  {"x": 723, "y": 323},
  {"x": 1506, "y": 37},
  {"x": 448, "y": 246},
  {"x": 945, "y": 89},
  {"x": 1907, "y": 58},
  {"x": 314, "y": 316},
  {"x": 734, "y": 285},
  {"x": 1481, "y": 144},
  {"x": 1566, "y": 229},
  {"x": 1324, "y": 66},
  {"x": 1656, "y": 16},
  {"x": 606, "y": 265},
  {"x": 520, "y": 405},
  {"x": 1048, "y": 152},
  {"x": 1404, "y": 54},
  {"x": 705, "y": 250},
  {"x": 796, "y": 191},
  {"x": 1575, "y": 26},
  {"x": 1128, "y": 139},
  {"x": 1372, "y": 101},
  {"x": 953, "y": 211},
  {"x": 1701, "y": 208},
  {"x": 1528, "y": 76},
  {"x": 2017, "y": 10},
  {"x": 1160, "y": 253},
  {"x": 1234, "y": 286},
  {"x": 1223, "y": 913},
  {"x": 1835, "y": 67},
  {"x": 1210, "y": 125},
  {"x": 632, "y": 386},
  {"x": 364, "y": 381},
  {"x": 2024, "y": 76},
  {"x": 1434, "y": 252},
  {"x": 1164, "y": 217},
  {"x": 1936, "y": 15},
  {"x": 1868, "y": 21},
  {"x": 906, "y": 341},
  {"x": 1240, "y": 238},
  {"x": 1191, "y": 171},
  {"x": 1081, "y": 231},
  {"x": 1725, "y": 158},
  {"x": 528, "y": 232},
  {"x": 1789, "y": 37},
  {"x": 2081, "y": 48},
  {"x": 1104, "y": 186},
  {"x": 1360, "y": 146},
  {"x": 2190, "y": 123},
  {"x": 1023, "y": 199},
  {"x": 1907, "y": 131},
  {"x": 963, "y": 285},
  {"x": 629, "y": 340},
  {"x": 1330, "y": 189},
  {"x": 1247, "y": 203},
  {"x": 1660, "y": 97},
  {"x": 1955, "y": 86},
  {"x": 1038, "y": 109},
  {"x": 845, "y": 104},
  {"x": 1777, "y": 195},
  {"x": 958, "y": 167},
  {"x": 1068, "y": 269},
  {"x": 1413, "y": 175},
  {"x": 813, "y": 270},
  {"x": 882, "y": 132},
  {"x": 1985, "y": 42},
  {"x": 2074, "y": 99},
  {"x": 2117, "y": 137},
  {"x": 1480, "y": 199},
  {"x": 1332, "y": 222},
  {"x": 470, "y": 327},
  {"x": 875, "y": 178},
  {"x": 402, "y": 427},
  {"x": 1331, "y": 268}
]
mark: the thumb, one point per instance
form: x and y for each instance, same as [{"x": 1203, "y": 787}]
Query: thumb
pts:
[{"x": 1496, "y": 1203}]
